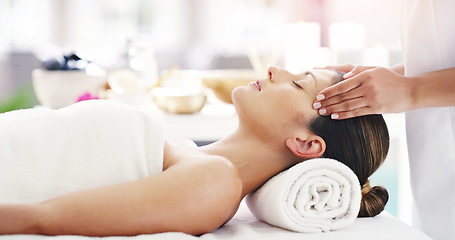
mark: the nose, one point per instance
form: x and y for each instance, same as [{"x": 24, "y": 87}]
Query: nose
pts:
[{"x": 273, "y": 73}]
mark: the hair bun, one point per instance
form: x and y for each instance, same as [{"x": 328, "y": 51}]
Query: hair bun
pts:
[
  {"x": 373, "y": 201},
  {"x": 366, "y": 188}
]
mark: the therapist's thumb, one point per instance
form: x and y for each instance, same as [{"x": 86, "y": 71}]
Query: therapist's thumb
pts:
[
  {"x": 356, "y": 70},
  {"x": 348, "y": 75}
]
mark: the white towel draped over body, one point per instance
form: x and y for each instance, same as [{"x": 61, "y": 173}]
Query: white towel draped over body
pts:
[
  {"x": 45, "y": 153},
  {"x": 314, "y": 196}
]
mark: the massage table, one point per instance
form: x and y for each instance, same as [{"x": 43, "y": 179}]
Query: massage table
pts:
[{"x": 245, "y": 226}]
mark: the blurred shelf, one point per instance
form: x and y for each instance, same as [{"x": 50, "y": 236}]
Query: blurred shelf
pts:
[{"x": 213, "y": 122}]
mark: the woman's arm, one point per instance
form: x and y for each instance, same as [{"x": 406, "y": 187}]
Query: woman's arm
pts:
[
  {"x": 369, "y": 90},
  {"x": 195, "y": 198}
]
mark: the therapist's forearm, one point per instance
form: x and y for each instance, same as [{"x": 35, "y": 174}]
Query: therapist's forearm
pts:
[
  {"x": 399, "y": 68},
  {"x": 434, "y": 89}
]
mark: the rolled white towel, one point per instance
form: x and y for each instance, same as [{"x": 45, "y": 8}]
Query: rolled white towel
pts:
[{"x": 314, "y": 196}]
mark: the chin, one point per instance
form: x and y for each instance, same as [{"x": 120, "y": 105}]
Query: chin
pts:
[
  {"x": 240, "y": 100},
  {"x": 235, "y": 95}
]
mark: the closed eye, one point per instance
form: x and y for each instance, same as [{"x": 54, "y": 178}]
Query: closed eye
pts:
[{"x": 298, "y": 85}]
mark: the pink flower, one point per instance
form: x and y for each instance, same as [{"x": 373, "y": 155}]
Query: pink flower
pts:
[{"x": 86, "y": 96}]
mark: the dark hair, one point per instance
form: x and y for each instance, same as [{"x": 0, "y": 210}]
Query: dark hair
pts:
[{"x": 361, "y": 143}]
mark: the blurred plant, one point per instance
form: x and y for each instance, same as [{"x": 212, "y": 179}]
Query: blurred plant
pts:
[{"x": 23, "y": 97}]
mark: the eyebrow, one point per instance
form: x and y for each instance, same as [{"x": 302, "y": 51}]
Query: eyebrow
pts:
[
  {"x": 309, "y": 73},
  {"x": 314, "y": 77}
]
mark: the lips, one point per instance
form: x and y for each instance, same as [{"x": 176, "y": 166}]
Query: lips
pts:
[{"x": 258, "y": 84}]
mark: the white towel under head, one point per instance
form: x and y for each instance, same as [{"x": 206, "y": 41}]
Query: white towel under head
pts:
[{"x": 317, "y": 195}]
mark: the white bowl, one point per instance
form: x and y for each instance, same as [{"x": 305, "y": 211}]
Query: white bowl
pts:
[
  {"x": 178, "y": 100},
  {"x": 56, "y": 89}
]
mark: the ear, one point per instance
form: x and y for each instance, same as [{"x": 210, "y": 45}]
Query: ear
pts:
[{"x": 309, "y": 148}]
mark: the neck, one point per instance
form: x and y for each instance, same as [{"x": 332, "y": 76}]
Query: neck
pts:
[{"x": 256, "y": 160}]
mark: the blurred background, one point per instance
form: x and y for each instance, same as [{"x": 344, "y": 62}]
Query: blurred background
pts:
[
  {"x": 205, "y": 35},
  {"x": 191, "y": 34}
]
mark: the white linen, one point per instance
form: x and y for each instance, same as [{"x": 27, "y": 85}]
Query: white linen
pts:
[
  {"x": 45, "y": 153},
  {"x": 245, "y": 226},
  {"x": 428, "y": 40},
  {"x": 317, "y": 195}
]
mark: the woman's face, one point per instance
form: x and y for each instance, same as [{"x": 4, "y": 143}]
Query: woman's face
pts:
[{"x": 283, "y": 99}]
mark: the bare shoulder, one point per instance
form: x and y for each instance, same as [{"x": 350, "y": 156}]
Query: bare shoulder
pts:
[
  {"x": 215, "y": 176},
  {"x": 210, "y": 191},
  {"x": 209, "y": 187}
]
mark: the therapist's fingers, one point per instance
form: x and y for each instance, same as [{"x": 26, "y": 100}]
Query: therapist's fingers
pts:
[
  {"x": 341, "y": 91},
  {"x": 341, "y": 102},
  {"x": 353, "y": 113},
  {"x": 357, "y": 70},
  {"x": 338, "y": 92},
  {"x": 378, "y": 90},
  {"x": 347, "y": 109},
  {"x": 350, "y": 101}
]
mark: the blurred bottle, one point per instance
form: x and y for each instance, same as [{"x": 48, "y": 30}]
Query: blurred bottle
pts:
[
  {"x": 141, "y": 59},
  {"x": 130, "y": 82}
]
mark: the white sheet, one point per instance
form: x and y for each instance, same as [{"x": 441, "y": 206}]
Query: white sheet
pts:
[
  {"x": 46, "y": 153},
  {"x": 245, "y": 226}
]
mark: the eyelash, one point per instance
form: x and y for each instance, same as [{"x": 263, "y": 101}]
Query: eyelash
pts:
[{"x": 298, "y": 85}]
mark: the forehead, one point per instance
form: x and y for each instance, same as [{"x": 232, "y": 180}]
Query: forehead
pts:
[
  {"x": 325, "y": 75},
  {"x": 323, "y": 78}
]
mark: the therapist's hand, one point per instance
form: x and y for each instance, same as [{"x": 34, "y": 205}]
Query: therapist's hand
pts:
[{"x": 365, "y": 90}]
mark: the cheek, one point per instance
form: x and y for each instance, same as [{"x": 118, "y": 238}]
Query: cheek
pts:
[
  {"x": 285, "y": 106},
  {"x": 297, "y": 106},
  {"x": 307, "y": 108}
]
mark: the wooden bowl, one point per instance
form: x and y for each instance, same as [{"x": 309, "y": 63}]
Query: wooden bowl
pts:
[{"x": 222, "y": 82}]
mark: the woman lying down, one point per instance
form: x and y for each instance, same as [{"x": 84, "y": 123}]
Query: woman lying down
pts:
[{"x": 100, "y": 168}]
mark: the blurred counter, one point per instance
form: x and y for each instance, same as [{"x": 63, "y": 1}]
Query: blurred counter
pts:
[{"x": 213, "y": 122}]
